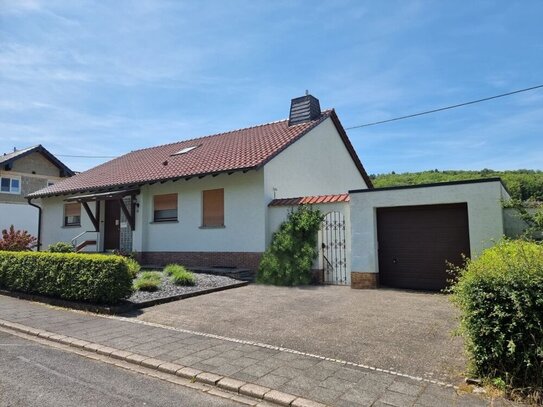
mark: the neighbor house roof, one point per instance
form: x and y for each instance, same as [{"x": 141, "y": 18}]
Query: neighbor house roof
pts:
[
  {"x": 7, "y": 159},
  {"x": 237, "y": 150},
  {"x": 310, "y": 200}
]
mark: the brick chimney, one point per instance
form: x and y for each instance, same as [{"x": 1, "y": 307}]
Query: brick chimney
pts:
[{"x": 304, "y": 109}]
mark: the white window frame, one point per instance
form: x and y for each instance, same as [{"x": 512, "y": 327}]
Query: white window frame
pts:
[{"x": 11, "y": 178}]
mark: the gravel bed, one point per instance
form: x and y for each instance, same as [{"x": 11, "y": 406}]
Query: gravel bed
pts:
[{"x": 168, "y": 289}]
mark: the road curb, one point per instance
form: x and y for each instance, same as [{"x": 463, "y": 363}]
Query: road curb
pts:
[{"x": 240, "y": 387}]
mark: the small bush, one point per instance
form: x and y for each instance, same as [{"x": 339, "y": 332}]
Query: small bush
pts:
[
  {"x": 290, "y": 257},
  {"x": 93, "y": 278},
  {"x": 17, "y": 240},
  {"x": 179, "y": 275},
  {"x": 500, "y": 295},
  {"x": 148, "y": 281},
  {"x": 133, "y": 266},
  {"x": 61, "y": 247}
]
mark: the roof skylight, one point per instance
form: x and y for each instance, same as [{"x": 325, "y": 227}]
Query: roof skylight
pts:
[{"x": 185, "y": 150}]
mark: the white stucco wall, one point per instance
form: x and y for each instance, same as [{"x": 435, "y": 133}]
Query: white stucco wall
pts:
[
  {"x": 278, "y": 214},
  {"x": 244, "y": 214},
  {"x": 21, "y": 216},
  {"x": 484, "y": 214},
  {"x": 53, "y": 229},
  {"x": 317, "y": 164}
]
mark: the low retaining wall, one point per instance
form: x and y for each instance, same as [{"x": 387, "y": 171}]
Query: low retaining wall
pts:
[{"x": 249, "y": 260}]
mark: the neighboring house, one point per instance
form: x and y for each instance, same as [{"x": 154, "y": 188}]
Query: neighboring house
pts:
[
  {"x": 21, "y": 173},
  {"x": 203, "y": 201},
  {"x": 217, "y": 200}
]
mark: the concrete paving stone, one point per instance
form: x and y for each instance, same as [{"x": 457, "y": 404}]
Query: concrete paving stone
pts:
[
  {"x": 261, "y": 354},
  {"x": 230, "y": 384},
  {"x": 345, "y": 403},
  {"x": 440, "y": 391},
  {"x": 245, "y": 377},
  {"x": 79, "y": 343},
  {"x": 303, "y": 383},
  {"x": 243, "y": 362},
  {"x": 352, "y": 375},
  {"x": 206, "y": 354},
  {"x": 397, "y": 399},
  {"x": 431, "y": 400},
  {"x": 232, "y": 354},
  {"x": 258, "y": 370},
  {"x": 120, "y": 354},
  {"x": 412, "y": 388},
  {"x": 93, "y": 347},
  {"x": 323, "y": 395},
  {"x": 302, "y": 363},
  {"x": 170, "y": 367},
  {"x": 254, "y": 390},
  {"x": 188, "y": 372},
  {"x": 188, "y": 360},
  {"x": 215, "y": 361},
  {"x": 151, "y": 362},
  {"x": 301, "y": 402},
  {"x": 272, "y": 381},
  {"x": 318, "y": 374},
  {"x": 289, "y": 372},
  {"x": 220, "y": 393},
  {"x": 279, "y": 397},
  {"x": 203, "y": 367},
  {"x": 166, "y": 357},
  {"x": 105, "y": 350},
  {"x": 271, "y": 362},
  {"x": 227, "y": 370},
  {"x": 337, "y": 384},
  {"x": 209, "y": 378},
  {"x": 466, "y": 400},
  {"x": 135, "y": 358},
  {"x": 286, "y": 356}
]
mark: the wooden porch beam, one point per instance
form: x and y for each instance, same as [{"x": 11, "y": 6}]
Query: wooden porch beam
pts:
[
  {"x": 128, "y": 215},
  {"x": 91, "y": 216}
]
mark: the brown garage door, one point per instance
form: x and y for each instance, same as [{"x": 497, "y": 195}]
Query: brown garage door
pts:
[{"x": 415, "y": 242}]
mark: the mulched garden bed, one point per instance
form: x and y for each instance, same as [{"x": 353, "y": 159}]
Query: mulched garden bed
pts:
[
  {"x": 167, "y": 292},
  {"x": 204, "y": 282}
]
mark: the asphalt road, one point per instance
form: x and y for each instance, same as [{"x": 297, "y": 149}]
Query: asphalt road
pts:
[{"x": 32, "y": 374}]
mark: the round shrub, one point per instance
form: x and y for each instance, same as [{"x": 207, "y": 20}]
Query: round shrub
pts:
[
  {"x": 293, "y": 249},
  {"x": 61, "y": 247},
  {"x": 500, "y": 295}
]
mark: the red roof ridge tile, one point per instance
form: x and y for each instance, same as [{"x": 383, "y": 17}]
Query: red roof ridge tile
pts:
[{"x": 311, "y": 200}]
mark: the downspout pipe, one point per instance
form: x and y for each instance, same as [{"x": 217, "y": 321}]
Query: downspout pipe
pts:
[{"x": 38, "y": 245}]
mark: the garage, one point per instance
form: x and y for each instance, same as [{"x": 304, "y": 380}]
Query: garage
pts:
[
  {"x": 416, "y": 242},
  {"x": 402, "y": 236}
]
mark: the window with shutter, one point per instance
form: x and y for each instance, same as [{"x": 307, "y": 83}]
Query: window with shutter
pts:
[
  {"x": 213, "y": 208},
  {"x": 165, "y": 208},
  {"x": 72, "y": 214}
]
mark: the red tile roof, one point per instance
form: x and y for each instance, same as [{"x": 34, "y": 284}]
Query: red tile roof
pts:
[
  {"x": 237, "y": 150},
  {"x": 310, "y": 200}
]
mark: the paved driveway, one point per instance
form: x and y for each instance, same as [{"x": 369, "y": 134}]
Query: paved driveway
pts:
[{"x": 408, "y": 332}]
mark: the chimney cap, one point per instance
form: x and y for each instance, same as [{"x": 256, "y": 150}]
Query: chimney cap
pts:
[{"x": 304, "y": 109}]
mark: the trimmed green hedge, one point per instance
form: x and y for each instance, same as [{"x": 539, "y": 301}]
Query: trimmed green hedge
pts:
[
  {"x": 500, "y": 295},
  {"x": 92, "y": 278}
]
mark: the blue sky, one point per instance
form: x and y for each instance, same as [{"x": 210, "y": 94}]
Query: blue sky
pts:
[{"x": 104, "y": 78}]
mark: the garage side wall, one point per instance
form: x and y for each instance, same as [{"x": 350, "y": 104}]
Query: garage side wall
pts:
[{"x": 485, "y": 216}]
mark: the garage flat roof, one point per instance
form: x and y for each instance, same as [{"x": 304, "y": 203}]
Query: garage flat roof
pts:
[{"x": 434, "y": 184}]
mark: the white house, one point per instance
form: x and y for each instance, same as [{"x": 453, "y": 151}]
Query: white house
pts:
[
  {"x": 216, "y": 201},
  {"x": 203, "y": 202},
  {"x": 22, "y": 172}
]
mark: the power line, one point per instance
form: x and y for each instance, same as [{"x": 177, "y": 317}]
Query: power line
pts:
[{"x": 444, "y": 108}]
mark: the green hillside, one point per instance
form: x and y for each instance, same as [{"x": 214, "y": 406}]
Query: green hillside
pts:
[{"x": 522, "y": 184}]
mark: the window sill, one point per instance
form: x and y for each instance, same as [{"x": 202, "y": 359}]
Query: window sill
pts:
[
  {"x": 163, "y": 221},
  {"x": 212, "y": 227},
  {"x": 70, "y": 226}
]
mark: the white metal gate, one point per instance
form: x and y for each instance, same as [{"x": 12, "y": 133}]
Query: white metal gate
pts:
[{"x": 334, "y": 256}]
